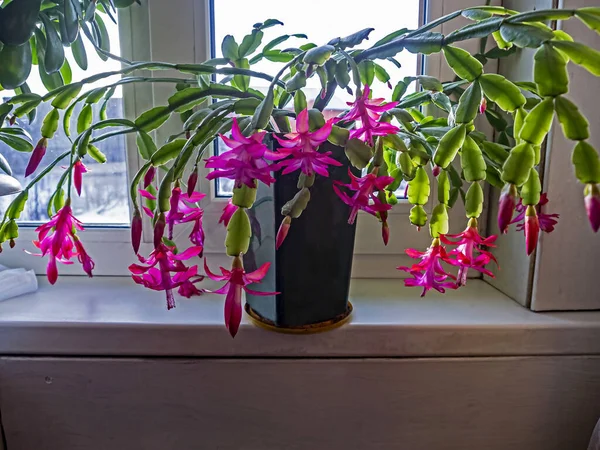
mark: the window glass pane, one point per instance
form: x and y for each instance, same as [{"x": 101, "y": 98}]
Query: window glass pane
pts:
[
  {"x": 103, "y": 198},
  {"x": 320, "y": 20}
]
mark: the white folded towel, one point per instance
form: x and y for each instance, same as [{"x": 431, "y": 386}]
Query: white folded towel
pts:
[{"x": 15, "y": 282}]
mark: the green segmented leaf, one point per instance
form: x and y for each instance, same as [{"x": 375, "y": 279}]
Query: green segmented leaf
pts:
[
  {"x": 250, "y": 43},
  {"x": 342, "y": 74},
  {"x": 16, "y": 65},
  {"x": 586, "y": 163},
  {"x": 298, "y": 81},
  {"x": 525, "y": 35},
  {"x": 145, "y": 144},
  {"x": 532, "y": 189},
  {"x": 501, "y": 91},
  {"x": 476, "y": 14},
  {"x": 496, "y": 120},
  {"x": 243, "y": 197},
  {"x": 17, "y": 21},
  {"x": 520, "y": 161},
  {"x": 167, "y": 152},
  {"x": 538, "y": 122},
  {"x": 443, "y": 187},
  {"x": 84, "y": 121},
  {"x": 353, "y": 40},
  {"x": 66, "y": 96},
  {"x": 477, "y": 30},
  {"x": 575, "y": 126},
  {"x": 70, "y": 20},
  {"x": 79, "y": 53},
  {"x": 474, "y": 201},
  {"x": 4, "y": 165},
  {"x": 471, "y": 160},
  {"x": 449, "y": 145},
  {"x": 366, "y": 69},
  {"x": 50, "y": 124},
  {"x": 318, "y": 55},
  {"x": 468, "y": 104},
  {"x": 96, "y": 154},
  {"x": 238, "y": 233},
  {"x": 261, "y": 117},
  {"x": 580, "y": 54},
  {"x": 541, "y": 16},
  {"x": 419, "y": 187},
  {"x": 418, "y": 216},
  {"x": 591, "y": 20},
  {"x": 439, "y": 223},
  {"x": 495, "y": 152},
  {"x": 462, "y": 63},
  {"x": 339, "y": 136},
  {"x": 381, "y": 74},
  {"x": 359, "y": 154},
  {"x": 5, "y": 109},
  {"x": 17, "y": 143},
  {"x": 550, "y": 72},
  {"x": 296, "y": 205},
  {"x": 103, "y": 38},
  {"x": 96, "y": 95},
  {"x": 107, "y": 97},
  {"x": 55, "y": 53},
  {"x": 66, "y": 72},
  {"x": 153, "y": 118},
  {"x": 426, "y": 43}
]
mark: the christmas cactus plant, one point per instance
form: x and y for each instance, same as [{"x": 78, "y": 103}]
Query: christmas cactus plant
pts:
[{"x": 389, "y": 140}]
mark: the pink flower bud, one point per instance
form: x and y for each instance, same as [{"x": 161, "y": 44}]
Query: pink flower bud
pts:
[
  {"x": 532, "y": 229},
  {"x": 436, "y": 171},
  {"x": 385, "y": 233},
  {"x": 482, "y": 106},
  {"x": 149, "y": 176},
  {"x": 159, "y": 230},
  {"x": 78, "y": 170},
  {"x": 36, "y": 156},
  {"x": 389, "y": 85},
  {"x": 136, "y": 231},
  {"x": 592, "y": 205},
  {"x": 284, "y": 228},
  {"x": 507, "y": 206},
  {"x": 192, "y": 181}
]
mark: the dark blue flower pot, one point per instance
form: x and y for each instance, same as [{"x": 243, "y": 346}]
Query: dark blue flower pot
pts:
[{"x": 311, "y": 270}]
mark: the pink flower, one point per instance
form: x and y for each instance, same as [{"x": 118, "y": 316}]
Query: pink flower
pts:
[
  {"x": 367, "y": 112},
  {"x": 385, "y": 232},
  {"x": 429, "y": 272},
  {"x": 57, "y": 239},
  {"x": 183, "y": 210},
  {"x": 283, "y": 231},
  {"x": 228, "y": 212},
  {"x": 302, "y": 146},
  {"x": 365, "y": 196},
  {"x": 507, "y": 207},
  {"x": 546, "y": 221},
  {"x": 467, "y": 243},
  {"x": 592, "y": 205},
  {"x": 237, "y": 279},
  {"x": 136, "y": 231},
  {"x": 78, "y": 170},
  {"x": 171, "y": 272},
  {"x": 36, "y": 156},
  {"x": 246, "y": 161},
  {"x": 149, "y": 176}
]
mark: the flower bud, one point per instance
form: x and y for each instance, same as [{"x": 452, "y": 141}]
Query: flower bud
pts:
[
  {"x": 136, "y": 231},
  {"x": 149, "y": 176},
  {"x": 592, "y": 205},
  {"x": 385, "y": 232},
  {"x": 36, "y": 156},
  {"x": 507, "y": 206},
  {"x": 436, "y": 170},
  {"x": 284, "y": 228},
  {"x": 482, "y": 106},
  {"x": 532, "y": 229},
  {"x": 159, "y": 230},
  {"x": 192, "y": 181}
]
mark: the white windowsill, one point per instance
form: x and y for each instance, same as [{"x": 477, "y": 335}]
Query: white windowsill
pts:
[{"x": 111, "y": 316}]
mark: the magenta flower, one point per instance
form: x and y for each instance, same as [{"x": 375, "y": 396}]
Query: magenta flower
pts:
[
  {"x": 546, "y": 221},
  {"x": 592, "y": 205},
  {"x": 36, "y": 156},
  {"x": 78, "y": 170},
  {"x": 237, "y": 279},
  {"x": 283, "y": 231},
  {"x": 463, "y": 256},
  {"x": 183, "y": 210},
  {"x": 508, "y": 199},
  {"x": 58, "y": 240},
  {"x": 247, "y": 160},
  {"x": 429, "y": 273},
  {"x": 302, "y": 146},
  {"x": 532, "y": 229},
  {"x": 367, "y": 112},
  {"x": 192, "y": 181},
  {"x": 365, "y": 194},
  {"x": 228, "y": 212},
  {"x": 171, "y": 272}
]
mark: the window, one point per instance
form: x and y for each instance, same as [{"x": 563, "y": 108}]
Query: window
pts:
[
  {"x": 320, "y": 29},
  {"x": 103, "y": 199}
]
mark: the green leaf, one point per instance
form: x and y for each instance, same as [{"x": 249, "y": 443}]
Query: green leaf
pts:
[
  {"x": 300, "y": 102},
  {"x": 66, "y": 96},
  {"x": 70, "y": 21},
  {"x": 145, "y": 144},
  {"x": 476, "y": 14},
  {"x": 4, "y": 165},
  {"x": 525, "y": 35},
  {"x": 84, "y": 120},
  {"x": 550, "y": 72},
  {"x": 79, "y": 53},
  {"x": 96, "y": 154},
  {"x": 462, "y": 63},
  {"x": 474, "y": 200},
  {"x": 575, "y": 126},
  {"x": 501, "y": 91},
  {"x": 282, "y": 39},
  {"x": 261, "y": 117},
  {"x": 496, "y": 120},
  {"x": 103, "y": 39},
  {"x": 544, "y": 15},
  {"x": 495, "y": 152},
  {"x": 587, "y": 163},
  {"x": 16, "y": 65},
  {"x": 538, "y": 122},
  {"x": 426, "y": 43},
  {"x": 418, "y": 216},
  {"x": 153, "y": 118},
  {"x": 468, "y": 104},
  {"x": 250, "y": 43},
  {"x": 498, "y": 52},
  {"x": 366, "y": 69},
  {"x": 390, "y": 37},
  {"x": 449, "y": 145},
  {"x": 17, "y": 143},
  {"x": 267, "y": 24},
  {"x": 580, "y": 54},
  {"x": 55, "y": 54},
  {"x": 353, "y": 40},
  {"x": 188, "y": 98},
  {"x": 66, "y": 72},
  {"x": 5, "y": 108},
  {"x": 419, "y": 188},
  {"x": 531, "y": 190},
  {"x": 380, "y": 73},
  {"x": 430, "y": 83},
  {"x": 50, "y": 124},
  {"x": 439, "y": 220},
  {"x": 518, "y": 164},
  {"x": 443, "y": 187},
  {"x": 471, "y": 160},
  {"x": 230, "y": 48},
  {"x": 167, "y": 152},
  {"x": 239, "y": 233},
  {"x": 591, "y": 20},
  {"x": 477, "y": 30},
  {"x": 358, "y": 153},
  {"x": 318, "y": 55}
]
